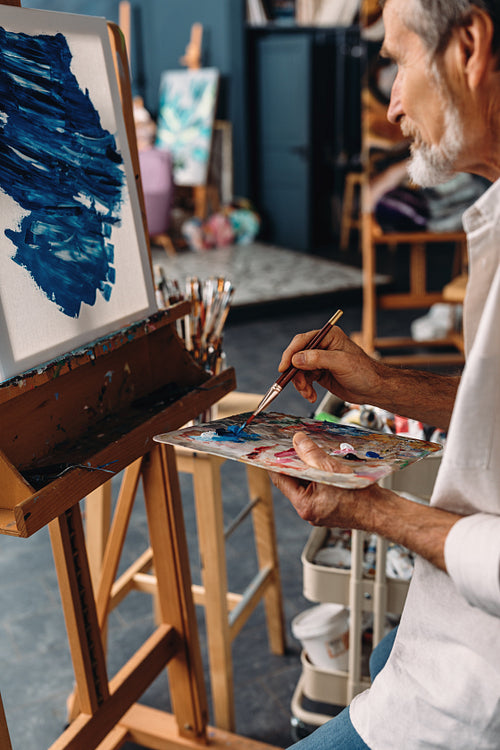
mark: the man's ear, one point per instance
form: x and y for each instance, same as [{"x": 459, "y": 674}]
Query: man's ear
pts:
[{"x": 475, "y": 39}]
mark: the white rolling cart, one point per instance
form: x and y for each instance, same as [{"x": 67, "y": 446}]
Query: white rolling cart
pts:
[{"x": 377, "y": 595}]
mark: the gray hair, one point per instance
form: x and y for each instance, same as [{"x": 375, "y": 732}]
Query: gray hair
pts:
[{"x": 434, "y": 20}]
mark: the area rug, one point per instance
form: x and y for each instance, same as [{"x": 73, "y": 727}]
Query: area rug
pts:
[{"x": 263, "y": 273}]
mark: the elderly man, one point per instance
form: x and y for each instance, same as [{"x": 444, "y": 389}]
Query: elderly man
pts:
[{"x": 439, "y": 686}]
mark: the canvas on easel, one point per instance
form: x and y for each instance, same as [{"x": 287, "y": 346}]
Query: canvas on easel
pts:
[
  {"x": 74, "y": 260},
  {"x": 188, "y": 100}
]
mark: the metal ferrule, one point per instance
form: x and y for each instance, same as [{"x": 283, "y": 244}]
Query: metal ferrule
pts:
[{"x": 273, "y": 391}]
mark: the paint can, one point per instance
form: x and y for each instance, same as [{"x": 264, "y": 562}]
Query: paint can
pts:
[{"x": 323, "y": 631}]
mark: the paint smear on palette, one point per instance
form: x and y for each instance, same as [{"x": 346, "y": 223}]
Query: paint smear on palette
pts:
[
  {"x": 58, "y": 164},
  {"x": 228, "y": 434},
  {"x": 363, "y": 457}
]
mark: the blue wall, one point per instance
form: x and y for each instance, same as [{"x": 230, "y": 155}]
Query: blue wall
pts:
[
  {"x": 106, "y": 8},
  {"x": 160, "y": 33}
]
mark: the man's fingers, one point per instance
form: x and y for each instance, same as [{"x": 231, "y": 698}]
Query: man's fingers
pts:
[
  {"x": 304, "y": 386},
  {"x": 296, "y": 348},
  {"x": 314, "y": 456},
  {"x": 289, "y": 486},
  {"x": 313, "y": 359},
  {"x": 296, "y": 344}
]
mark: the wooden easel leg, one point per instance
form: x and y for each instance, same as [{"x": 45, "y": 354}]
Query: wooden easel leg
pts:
[
  {"x": 103, "y": 558},
  {"x": 116, "y": 538},
  {"x": 73, "y": 573},
  {"x": 200, "y": 201},
  {"x": 210, "y": 522},
  {"x": 5, "y": 743},
  {"x": 164, "y": 241},
  {"x": 265, "y": 542},
  {"x": 97, "y": 523},
  {"x": 171, "y": 561}
]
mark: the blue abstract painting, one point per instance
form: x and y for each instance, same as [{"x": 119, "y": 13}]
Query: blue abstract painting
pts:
[
  {"x": 70, "y": 216},
  {"x": 58, "y": 163}
]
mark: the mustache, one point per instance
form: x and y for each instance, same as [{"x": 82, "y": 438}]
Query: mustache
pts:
[{"x": 408, "y": 129}]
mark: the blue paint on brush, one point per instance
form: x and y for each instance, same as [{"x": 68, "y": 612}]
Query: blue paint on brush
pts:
[{"x": 58, "y": 163}]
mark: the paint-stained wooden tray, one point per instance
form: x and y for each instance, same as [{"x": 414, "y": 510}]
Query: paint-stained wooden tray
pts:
[{"x": 69, "y": 426}]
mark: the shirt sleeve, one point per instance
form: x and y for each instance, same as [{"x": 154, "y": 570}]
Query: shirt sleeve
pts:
[{"x": 472, "y": 556}]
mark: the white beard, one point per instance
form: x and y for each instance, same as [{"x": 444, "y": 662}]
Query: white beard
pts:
[{"x": 435, "y": 164}]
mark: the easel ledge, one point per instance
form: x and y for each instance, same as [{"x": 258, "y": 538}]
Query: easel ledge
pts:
[
  {"x": 69, "y": 427},
  {"x": 30, "y": 379}
]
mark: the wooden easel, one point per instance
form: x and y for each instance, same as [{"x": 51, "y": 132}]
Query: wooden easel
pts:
[
  {"x": 5, "y": 743},
  {"x": 192, "y": 56},
  {"x": 203, "y": 195},
  {"x": 64, "y": 428}
]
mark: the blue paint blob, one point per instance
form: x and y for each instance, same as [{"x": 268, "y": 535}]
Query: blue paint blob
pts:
[
  {"x": 58, "y": 163},
  {"x": 372, "y": 454},
  {"x": 234, "y": 434}
]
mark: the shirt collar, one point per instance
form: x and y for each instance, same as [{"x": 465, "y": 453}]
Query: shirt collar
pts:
[{"x": 486, "y": 208}]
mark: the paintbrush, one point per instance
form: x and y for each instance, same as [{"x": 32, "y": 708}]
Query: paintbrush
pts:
[{"x": 291, "y": 371}]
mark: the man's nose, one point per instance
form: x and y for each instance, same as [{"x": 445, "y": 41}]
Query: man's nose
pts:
[{"x": 395, "y": 111}]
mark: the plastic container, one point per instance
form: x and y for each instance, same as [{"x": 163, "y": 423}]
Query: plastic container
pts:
[
  {"x": 324, "y": 633},
  {"x": 157, "y": 185}
]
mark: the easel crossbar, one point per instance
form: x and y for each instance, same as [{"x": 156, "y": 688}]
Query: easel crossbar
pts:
[
  {"x": 160, "y": 733},
  {"x": 125, "y": 688}
]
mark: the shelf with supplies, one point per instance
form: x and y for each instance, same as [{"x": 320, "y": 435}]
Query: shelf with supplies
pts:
[
  {"x": 323, "y": 583},
  {"x": 374, "y": 595}
]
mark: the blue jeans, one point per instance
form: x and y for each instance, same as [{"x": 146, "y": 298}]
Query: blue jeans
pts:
[{"x": 339, "y": 733}]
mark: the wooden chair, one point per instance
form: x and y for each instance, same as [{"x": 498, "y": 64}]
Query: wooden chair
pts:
[
  {"x": 351, "y": 209},
  {"x": 418, "y": 245},
  {"x": 454, "y": 293},
  {"x": 225, "y": 612}
]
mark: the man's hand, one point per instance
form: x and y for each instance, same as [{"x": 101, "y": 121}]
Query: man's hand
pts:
[
  {"x": 321, "y": 504},
  {"x": 343, "y": 368},
  {"x": 340, "y": 366},
  {"x": 375, "y": 509}
]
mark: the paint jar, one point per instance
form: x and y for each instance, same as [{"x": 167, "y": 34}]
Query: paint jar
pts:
[{"x": 324, "y": 634}]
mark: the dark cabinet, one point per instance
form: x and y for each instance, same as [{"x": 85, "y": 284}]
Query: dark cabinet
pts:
[
  {"x": 304, "y": 113},
  {"x": 283, "y": 137}
]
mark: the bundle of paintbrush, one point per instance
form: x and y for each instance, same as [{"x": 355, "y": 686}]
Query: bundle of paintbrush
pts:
[
  {"x": 202, "y": 329},
  {"x": 210, "y": 304}
]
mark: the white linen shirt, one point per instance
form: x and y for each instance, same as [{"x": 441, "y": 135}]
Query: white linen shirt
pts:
[{"x": 441, "y": 685}]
